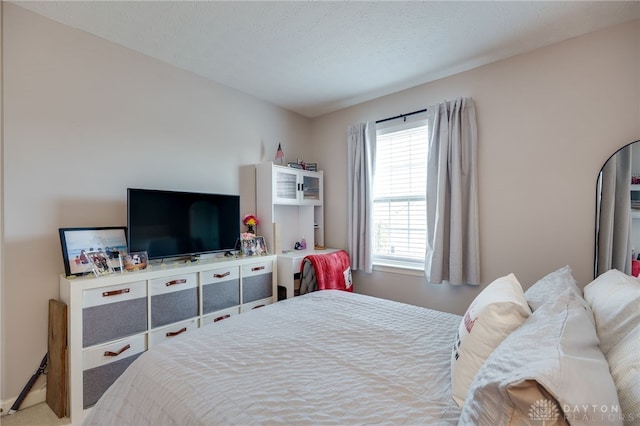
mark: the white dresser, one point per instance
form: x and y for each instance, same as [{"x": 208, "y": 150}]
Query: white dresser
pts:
[{"x": 112, "y": 320}]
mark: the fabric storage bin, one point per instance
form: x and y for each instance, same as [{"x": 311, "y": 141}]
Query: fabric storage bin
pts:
[
  {"x": 220, "y": 289},
  {"x": 173, "y": 299},
  {"x": 113, "y": 312},
  {"x": 102, "y": 365},
  {"x": 257, "y": 281}
]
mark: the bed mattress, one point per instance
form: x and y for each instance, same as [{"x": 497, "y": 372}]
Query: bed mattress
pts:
[{"x": 328, "y": 357}]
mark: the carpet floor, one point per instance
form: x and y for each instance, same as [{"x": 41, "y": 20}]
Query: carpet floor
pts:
[{"x": 36, "y": 415}]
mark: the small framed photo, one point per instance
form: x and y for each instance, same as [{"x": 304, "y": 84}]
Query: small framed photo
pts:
[
  {"x": 135, "y": 261},
  {"x": 99, "y": 263},
  {"x": 260, "y": 246},
  {"x": 253, "y": 246},
  {"x": 77, "y": 243},
  {"x": 248, "y": 245}
]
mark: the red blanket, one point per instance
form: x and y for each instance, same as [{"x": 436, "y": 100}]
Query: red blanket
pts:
[{"x": 333, "y": 270}]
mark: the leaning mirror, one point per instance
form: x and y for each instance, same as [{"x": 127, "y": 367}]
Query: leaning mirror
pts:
[{"x": 617, "y": 244}]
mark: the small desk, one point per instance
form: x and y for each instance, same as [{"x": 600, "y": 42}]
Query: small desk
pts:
[{"x": 289, "y": 267}]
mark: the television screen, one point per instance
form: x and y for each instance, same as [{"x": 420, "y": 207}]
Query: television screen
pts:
[{"x": 179, "y": 224}]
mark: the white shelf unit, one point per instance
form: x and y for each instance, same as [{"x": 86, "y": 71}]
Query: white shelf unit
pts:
[
  {"x": 289, "y": 204},
  {"x": 112, "y": 320},
  {"x": 635, "y": 219}
]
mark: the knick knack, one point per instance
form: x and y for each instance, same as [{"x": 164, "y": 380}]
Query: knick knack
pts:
[{"x": 250, "y": 222}]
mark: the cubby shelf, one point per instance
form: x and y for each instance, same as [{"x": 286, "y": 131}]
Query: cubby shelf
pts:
[{"x": 289, "y": 204}]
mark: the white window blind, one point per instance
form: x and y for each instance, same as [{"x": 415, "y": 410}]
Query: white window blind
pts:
[{"x": 399, "y": 195}]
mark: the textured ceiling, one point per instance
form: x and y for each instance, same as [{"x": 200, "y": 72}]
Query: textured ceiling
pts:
[{"x": 319, "y": 56}]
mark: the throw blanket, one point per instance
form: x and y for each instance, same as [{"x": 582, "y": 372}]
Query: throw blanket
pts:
[{"x": 331, "y": 271}]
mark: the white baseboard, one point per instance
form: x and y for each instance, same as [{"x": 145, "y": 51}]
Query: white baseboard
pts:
[{"x": 36, "y": 396}]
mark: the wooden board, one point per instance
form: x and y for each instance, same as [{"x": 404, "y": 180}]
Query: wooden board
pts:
[{"x": 57, "y": 350}]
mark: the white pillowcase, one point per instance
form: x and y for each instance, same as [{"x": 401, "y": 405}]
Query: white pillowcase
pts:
[
  {"x": 624, "y": 363},
  {"x": 498, "y": 310},
  {"x": 614, "y": 298},
  {"x": 553, "y": 362},
  {"x": 548, "y": 288}
]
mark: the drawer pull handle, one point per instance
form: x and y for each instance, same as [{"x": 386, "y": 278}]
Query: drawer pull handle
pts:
[
  {"x": 109, "y": 353},
  {"x": 259, "y": 306},
  {"x": 115, "y": 292},
  {"x": 257, "y": 268},
  {"x": 220, "y": 318},
  {"x": 175, "y": 333},
  {"x": 226, "y": 274},
  {"x": 174, "y": 282}
]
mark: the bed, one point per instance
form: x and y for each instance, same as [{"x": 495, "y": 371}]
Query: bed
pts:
[
  {"x": 335, "y": 357},
  {"x": 324, "y": 357}
]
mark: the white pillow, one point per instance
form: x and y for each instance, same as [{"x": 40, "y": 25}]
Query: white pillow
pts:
[
  {"x": 624, "y": 363},
  {"x": 498, "y": 310},
  {"x": 548, "y": 288},
  {"x": 548, "y": 371},
  {"x": 614, "y": 298}
]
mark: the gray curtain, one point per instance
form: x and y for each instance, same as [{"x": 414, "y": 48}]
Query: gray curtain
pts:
[
  {"x": 614, "y": 214},
  {"x": 360, "y": 162},
  {"x": 452, "y": 252}
]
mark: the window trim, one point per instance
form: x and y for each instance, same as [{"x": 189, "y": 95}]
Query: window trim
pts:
[{"x": 396, "y": 268}]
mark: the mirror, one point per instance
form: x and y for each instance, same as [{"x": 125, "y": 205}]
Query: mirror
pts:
[{"x": 618, "y": 212}]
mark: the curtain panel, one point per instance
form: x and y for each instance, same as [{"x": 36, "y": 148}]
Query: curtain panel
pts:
[
  {"x": 361, "y": 163},
  {"x": 452, "y": 252}
]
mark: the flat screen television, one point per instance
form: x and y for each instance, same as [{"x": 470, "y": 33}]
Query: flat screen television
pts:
[{"x": 169, "y": 224}]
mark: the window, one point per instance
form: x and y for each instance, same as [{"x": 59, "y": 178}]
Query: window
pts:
[{"x": 399, "y": 194}]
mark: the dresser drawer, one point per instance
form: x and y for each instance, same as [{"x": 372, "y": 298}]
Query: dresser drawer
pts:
[
  {"x": 257, "y": 281},
  {"x": 220, "y": 289},
  {"x": 173, "y": 299},
  {"x": 257, "y": 304},
  {"x": 220, "y": 275},
  {"x": 218, "y": 316},
  {"x": 171, "y": 284},
  {"x": 102, "y": 365},
  {"x": 160, "y": 335},
  {"x": 113, "y": 312}
]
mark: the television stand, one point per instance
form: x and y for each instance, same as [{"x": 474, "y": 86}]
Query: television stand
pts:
[{"x": 139, "y": 310}]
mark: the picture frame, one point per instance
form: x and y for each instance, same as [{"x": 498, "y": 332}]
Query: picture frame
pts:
[
  {"x": 253, "y": 246},
  {"x": 99, "y": 262},
  {"x": 247, "y": 245},
  {"x": 135, "y": 261},
  {"x": 77, "y": 242},
  {"x": 260, "y": 246}
]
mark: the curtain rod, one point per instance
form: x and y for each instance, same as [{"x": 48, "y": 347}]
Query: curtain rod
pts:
[{"x": 403, "y": 116}]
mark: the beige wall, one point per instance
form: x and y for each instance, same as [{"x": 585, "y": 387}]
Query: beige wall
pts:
[
  {"x": 547, "y": 122},
  {"x": 84, "y": 120}
]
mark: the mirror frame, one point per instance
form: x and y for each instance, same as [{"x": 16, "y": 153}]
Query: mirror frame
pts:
[{"x": 599, "y": 193}]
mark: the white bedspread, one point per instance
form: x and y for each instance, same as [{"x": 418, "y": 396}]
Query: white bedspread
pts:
[{"x": 328, "y": 357}]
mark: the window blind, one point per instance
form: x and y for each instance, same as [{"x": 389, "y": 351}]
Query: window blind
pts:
[{"x": 399, "y": 198}]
